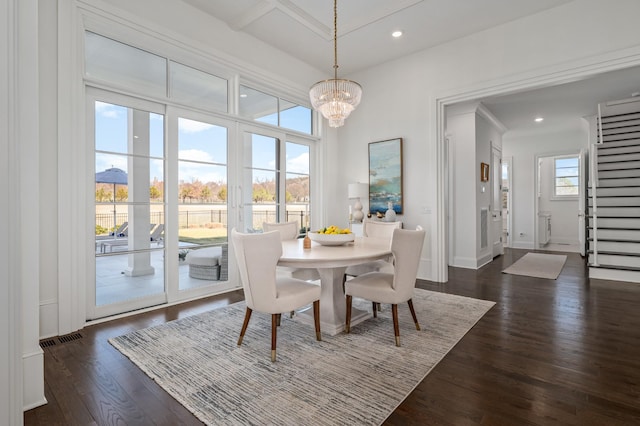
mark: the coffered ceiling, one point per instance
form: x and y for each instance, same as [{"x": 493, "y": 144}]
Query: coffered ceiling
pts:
[{"x": 304, "y": 29}]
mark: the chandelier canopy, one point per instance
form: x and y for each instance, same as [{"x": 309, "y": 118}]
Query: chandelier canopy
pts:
[{"x": 335, "y": 98}]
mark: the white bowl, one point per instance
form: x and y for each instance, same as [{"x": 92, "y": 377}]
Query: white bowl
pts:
[{"x": 331, "y": 239}]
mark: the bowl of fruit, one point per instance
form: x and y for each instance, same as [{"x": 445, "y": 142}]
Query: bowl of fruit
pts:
[{"x": 332, "y": 236}]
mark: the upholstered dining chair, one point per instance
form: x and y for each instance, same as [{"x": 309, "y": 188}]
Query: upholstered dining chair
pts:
[
  {"x": 257, "y": 256},
  {"x": 290, "y": 231},
  {"x": 379, "y": 230},
  {"x": 392, "y": 288}
]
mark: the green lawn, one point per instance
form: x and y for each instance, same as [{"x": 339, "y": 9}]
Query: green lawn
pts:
[{"x": 203, "y": 235}]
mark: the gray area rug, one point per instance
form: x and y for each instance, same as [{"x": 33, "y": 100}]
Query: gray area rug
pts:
[
  {"x": 347, "y": 379},
  {"x": 538, "y": 265}
]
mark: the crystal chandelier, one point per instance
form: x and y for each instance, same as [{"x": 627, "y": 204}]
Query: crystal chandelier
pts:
[{"x": 335, "y": 98}]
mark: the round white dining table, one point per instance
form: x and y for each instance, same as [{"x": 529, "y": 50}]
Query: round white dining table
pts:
[{"x": 331, "y": 263}]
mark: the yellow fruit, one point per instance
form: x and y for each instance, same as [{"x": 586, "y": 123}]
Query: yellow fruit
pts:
[{"x": 333, "y": 230}]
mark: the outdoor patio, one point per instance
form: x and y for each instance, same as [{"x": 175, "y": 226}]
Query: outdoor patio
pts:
[{"x": 114, "y": 286}]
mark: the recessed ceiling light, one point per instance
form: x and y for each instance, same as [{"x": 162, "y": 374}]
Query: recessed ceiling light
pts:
[
  {"x": 243, "y": 95},
  {"x": 396, "y": 34},
  {"x": 539, "y": 119}
]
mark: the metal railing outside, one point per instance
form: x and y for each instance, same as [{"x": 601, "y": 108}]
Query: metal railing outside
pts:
[{"x": 190, "y": 219}]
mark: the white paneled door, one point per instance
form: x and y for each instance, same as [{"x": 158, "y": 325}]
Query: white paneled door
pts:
[{"x": 496, "y": 201}]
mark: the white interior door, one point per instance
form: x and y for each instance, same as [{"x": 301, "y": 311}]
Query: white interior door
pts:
[
  {"x": 496, "y": 201},
  {"x": 506, "y": 198}
]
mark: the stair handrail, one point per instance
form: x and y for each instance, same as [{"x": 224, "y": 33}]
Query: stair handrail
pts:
[
  {"x": 599, "y": 123},
  {"x": 593, "y": 174}
]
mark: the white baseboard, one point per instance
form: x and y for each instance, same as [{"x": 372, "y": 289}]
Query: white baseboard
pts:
[
  {"x": 487, "y": 258},
  {"x": 556, "y": 240},
  {"x": 425, "y": 271},
  {"x": 33, "y": 379},
  {"x": 48, "y": 318},
  {"x": 470, "y": 262},
  {"x": 464, "y": 262},
  {"x": 526, "y": 245}
]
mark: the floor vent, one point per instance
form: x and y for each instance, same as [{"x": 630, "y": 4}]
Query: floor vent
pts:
[
  {"x": 47, "y": 343},
  {"x": 70, "y": 337}
]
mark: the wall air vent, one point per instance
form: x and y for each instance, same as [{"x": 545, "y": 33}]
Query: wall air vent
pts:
[{"x": 484, "y": 227}]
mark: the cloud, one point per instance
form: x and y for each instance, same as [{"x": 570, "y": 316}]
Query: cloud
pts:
[
  {"x": 189, "y": 172},
  {"x": 190, "y": 126},
  {"x": 107, "y": 110},
  {"x": 195, "y": 155},
  {"x": 299, "y": 164}
]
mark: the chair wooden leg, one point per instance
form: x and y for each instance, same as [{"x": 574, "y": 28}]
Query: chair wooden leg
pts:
[
  {"x": 247, "y": 316},
  {"x": 413, "y": 314},
  {"x": 396, "y": 326},
  {"x": 375, "y": 309},
  {"x": 292, "y": 314},
  {"x": 274, "y": 333},
  {"x": 347, "y": 325},
  {"x": 379, "y": 306},
  {"x": 316, "y": 319}
]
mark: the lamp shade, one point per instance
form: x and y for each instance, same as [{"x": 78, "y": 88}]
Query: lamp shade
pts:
[{"x": 358, "y": 190}]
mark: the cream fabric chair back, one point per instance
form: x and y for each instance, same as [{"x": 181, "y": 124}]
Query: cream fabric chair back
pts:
[
  {"x": 288, "y": 230},
  {"x": 377, "y": 229},
  {"x": 406, "y": 246},
  {"x": 257, "y": 256}
]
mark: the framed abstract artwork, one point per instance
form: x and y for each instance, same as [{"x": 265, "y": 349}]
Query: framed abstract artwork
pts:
[{"x": 385, "y": 176}]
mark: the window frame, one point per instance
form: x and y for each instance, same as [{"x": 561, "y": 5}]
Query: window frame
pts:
[{"x": 554, "y": 193}]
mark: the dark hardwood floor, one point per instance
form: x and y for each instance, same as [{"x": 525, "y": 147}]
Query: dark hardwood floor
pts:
[{"x": 563, "y": 351}]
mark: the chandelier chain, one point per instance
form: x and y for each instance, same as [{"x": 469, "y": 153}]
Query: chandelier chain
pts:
[
  {"x": 335, "y": 98},
  {"x": 335, "y": 39}
]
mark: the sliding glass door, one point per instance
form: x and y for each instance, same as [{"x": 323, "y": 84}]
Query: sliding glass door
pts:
[
  {"x": 170, "y": 183},
  {"x": 128, "y": 136},
  {"x": 202, "y": 214}
]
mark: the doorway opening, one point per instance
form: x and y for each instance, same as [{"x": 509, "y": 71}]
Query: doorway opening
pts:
[{"x": 557, "y": 201}]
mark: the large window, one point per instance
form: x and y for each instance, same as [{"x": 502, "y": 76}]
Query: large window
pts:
[
  {"x": 175, "y": 168},
  {"x": 269, "y": 109},
  {"x": 566, "y": 177},
  {"x": 276, "y": 182}
]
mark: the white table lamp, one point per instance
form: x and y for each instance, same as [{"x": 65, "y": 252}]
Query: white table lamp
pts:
[{"x": 357, "y": 191}]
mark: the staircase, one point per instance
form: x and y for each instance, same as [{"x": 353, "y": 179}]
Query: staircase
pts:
[{"x": 613, "y": 226}]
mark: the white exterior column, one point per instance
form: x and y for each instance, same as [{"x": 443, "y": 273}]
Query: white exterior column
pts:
[{"x": 138, "y": 188}]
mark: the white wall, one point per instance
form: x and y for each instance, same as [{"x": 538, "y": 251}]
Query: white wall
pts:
[
  {"x": 399, "y": 98},
  {"x": 564, "y": 213},
  {"x": 10, "y": 324},
  {"x": 48, "y": 54},
  {"x": 524, "y": 147},
  {"x": 21, "y": 360},
  {"x": 471, "y": 130},
  {"x": 461, "y": 132}
]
